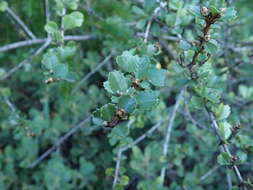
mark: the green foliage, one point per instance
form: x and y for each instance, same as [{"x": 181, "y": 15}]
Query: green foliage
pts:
[
  {"x": 72, "y": 20},
  {"x": 3, "y": 5}
]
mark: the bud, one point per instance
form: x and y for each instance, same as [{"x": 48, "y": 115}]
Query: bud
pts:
[
  {"x": 120, "y": 113},
  {"x": 193, "y": 43},
  {"x": 207, "y": 37},
  {"x": 49, "y": 80},
  {"x": 234, "y": 159},
  {"x": 236, "y": 128},
  {"x": 223, "y": 10},
  {"x": 204, "y": 11}
]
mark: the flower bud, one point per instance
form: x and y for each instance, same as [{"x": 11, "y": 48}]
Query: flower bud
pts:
[
  {"x": 207, "y": 37},
  {"x": 223, "y": 10},
  {"x": 49, "y": 80},
  {"x": 204, "y": 11}
]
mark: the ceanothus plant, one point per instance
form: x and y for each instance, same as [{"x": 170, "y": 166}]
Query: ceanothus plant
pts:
[{"x": 132, "y": 89}]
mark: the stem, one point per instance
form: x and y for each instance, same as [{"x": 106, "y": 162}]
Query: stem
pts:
[
  {"x": 156, "y": 11},
  {"x": 62, "y": 26},
  {"x": 135, "y": 142},
  {"x": 169, "y": 129},
  {"x": 16, "y": 45},
  {"x": 225, "y": 148},
  {"x": 21, "y": 23},
  {"x": 14, "y": 69},
  {"x": 59, "y": 142}
]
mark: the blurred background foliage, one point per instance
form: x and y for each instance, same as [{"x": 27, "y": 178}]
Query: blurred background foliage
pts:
[{"x": 34, "y": 115}]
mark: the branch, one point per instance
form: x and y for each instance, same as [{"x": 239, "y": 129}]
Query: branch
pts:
[
  {"x": 40, "y": 41},
  {"x": 59, "y": 142},
  {"x": 14, "y": 69},
  {"x": 135, "y": 142},
  {"x": 229, "y": 180},
  {"x": 169, "y": 129},
  {"x": 142, "y": 137},
  {"x": 210, "y": 172},
  {"x": 189, "y": 117},
  {"x": 156, "y": 11},
  {"x": 62, "y": 26},
  {"x": 47, "y": 11},
  {"x": 117, "y": 169},
  {"x": 91, "y": 11},
  {"x": 168, "y": 50},
  {"x": 21, "y": 23},
  {"x": 93, "y": 71},
  {"x": 225, "y": 149}
]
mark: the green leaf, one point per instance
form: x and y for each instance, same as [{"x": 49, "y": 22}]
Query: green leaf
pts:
[
  {"x": 127, "y": 103},
  {"x": 3, "y": 6},
  {"x": 50, "y": 59},
  {"x": 246, "y": 92},
  {"x": 141, "y": 24},
  {"x": 143, "y": 68},
  {"x": 230, "y": 13},
  {"x": 107, "y": 112},
  {"x": 225, "y": 129},
  {"x": 109, "y": 172},
  {"x": 214, "y": 10},
  {"x": 71, "y": 4},
  {"x": 197, "y": 102},
  {"x": 243, "y": 90},
  {"x": 72, "y": 20},
  {"x": 70, "y": 77},
  {"x": 195, "y": 10},
  {"x": 146, "y": 100},
  {"x": 184, "y": 45},
  {"x": 120, "y": 133},
  {"x": 117, "y": 82},
  {"x": 211, "y": 94},
  {"x": 124, "y": 180},
  {"x": 51, "y": 27},
  {"x": 138, "y": 10},
  {"x": 223, "y": 159},
  {"x": 212, "y": 47},
  {"x": 222, "y": 112},
  {"x": 127, "y": 62},
  {"x": 60, "y": 71},
  {"x": 108, "y": 87},
  {"x": 157, "y": 77},
  {"x": 67, "y": 51}
]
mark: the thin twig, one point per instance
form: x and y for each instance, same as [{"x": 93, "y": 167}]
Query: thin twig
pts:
[
  {"x": 156, "y": 11},
  {"x": 21, "y": 23},
  {"x": 210, "y": 172},
  {"x": 10, "y": 105},
  {"x": 135, "y": 142},
  {"x": 168, "y": 50},
  {"x": 169, "y": 129},
  {"x": 225, "y": 149},
  {"x": 47, "y": 11},
  {"x": 14, "y": 69},
  {"x": 62, "y": 26},
  {"x": 229, "y": 180},
  {"x": 16, "y": 45},
  {"x": 189, "y": 117},
  {"x": 91, "y": 11},
  {"x": 92, "y": 72},
  {"x": 142, "y": 137},
  {"x": 59, "y": 142},
  {"x": 117, "y": 168}
]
